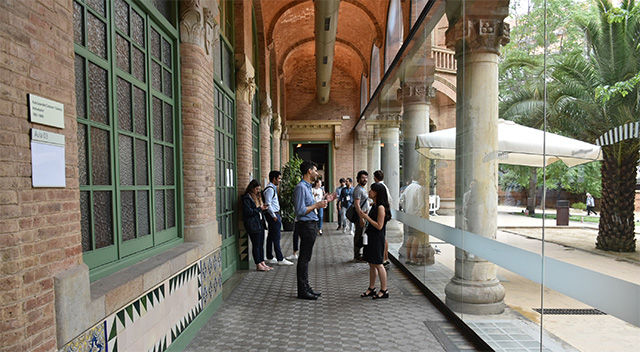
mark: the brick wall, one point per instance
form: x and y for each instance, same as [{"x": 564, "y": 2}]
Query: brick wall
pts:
[{"x": 39, "y": 227}]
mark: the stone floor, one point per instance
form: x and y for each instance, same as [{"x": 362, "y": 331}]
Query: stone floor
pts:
[{"x": 262, "y": 312}]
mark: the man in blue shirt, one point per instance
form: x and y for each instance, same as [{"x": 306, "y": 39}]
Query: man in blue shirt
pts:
[
  {"x": 274, "y": 220},
  {"x": 344, "y": 202},
  {"x": 307, "y": 225}
]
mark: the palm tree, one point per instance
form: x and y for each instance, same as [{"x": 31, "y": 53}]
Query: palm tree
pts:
[{"x": 596, "y": 91}]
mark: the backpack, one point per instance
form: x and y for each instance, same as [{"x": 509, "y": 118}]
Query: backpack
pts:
[{"x": 275, "y": 194}]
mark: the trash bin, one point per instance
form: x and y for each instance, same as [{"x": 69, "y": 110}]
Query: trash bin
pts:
[{"x": 562, "y": 209}]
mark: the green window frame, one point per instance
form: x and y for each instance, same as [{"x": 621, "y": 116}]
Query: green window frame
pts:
[{"x": 127, "y": 94}]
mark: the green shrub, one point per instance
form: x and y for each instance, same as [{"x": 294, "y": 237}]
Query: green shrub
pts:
[
  {"x": 291, "y": 176},
  {"x": 579, "y": 205}
]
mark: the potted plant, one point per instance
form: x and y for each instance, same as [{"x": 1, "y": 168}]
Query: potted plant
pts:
[{"x": 291, "y": 176}]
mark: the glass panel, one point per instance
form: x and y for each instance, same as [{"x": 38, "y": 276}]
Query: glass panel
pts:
[
  {"x": 166, "y": 53},
  {"x": 141, "y": 162},
  {"x": 97, "y": 33},
  {"x": 122, "y": 16},
  {"x": 83, "y": 177},
  {"x": 81, "y": 106},
  {"x": 122, "y": 53},
  {"x": 128, "y": 215},
  {"x": 85, "y": 221},
  {"x": 103, "y": 219},
  {"x": 168, "y": 123},
  {"x": 100, "y": 157},
  {"x": 142, "y": 206},
  {"x": 159, "y": 210},
  {"x": 227, "y": 66},
  {"x": 98, "y": 87},
  {"x": 167, "y": 83},
  {"x": 140, "y": 111},
  {"x": 217, "y": 62},
  {"x": 165, "y": 8},
  {"x": 158, "y": 168},
  {"x": 126, "y": 160},
  {"x": 168, "y": 165},
  {"x": 157, "y": 118},
  {"x": 78, "y": 23},
  {"x": 124, "y": 105},
  {"x": 171, "y": 209},
  {"x": 98, "y": 6},
  {"x": 138, "y": 64},
  {"x": 156, "y": 76},
  {"x": 137, "y": 28},
  {"x": 155, "y": 43}
]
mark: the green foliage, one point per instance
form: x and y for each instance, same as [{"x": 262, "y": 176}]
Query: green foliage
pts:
[
  {"x": 578, "y": 179},
  {"x": 579, "y": 206},
  {"x": 291, "y": 176}
]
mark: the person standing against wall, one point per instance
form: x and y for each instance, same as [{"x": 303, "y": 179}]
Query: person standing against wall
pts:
[
  {"x": 307, "y": 223},
  {"x": 252, "y": 208},
  {"x": 344, "y": 202},
  {"x": 274, "y": 220}
]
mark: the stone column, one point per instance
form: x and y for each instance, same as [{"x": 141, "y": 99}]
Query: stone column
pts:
[
  {"x": 361, "y": 155},
  {"x": 475, "y": 289},
  {"x": 416, "y": 101},
  {"x": 245, "y": 89},
  {"x": 373, "y": 156},
  {"x": 390, "y": 154},
  {"x": 277, "y": 133},
  {"x": 265, "y": 139},
  {"x": 198, "y": 33}
]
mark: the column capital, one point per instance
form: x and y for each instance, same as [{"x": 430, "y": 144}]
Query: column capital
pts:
[
  {"x": 266, "y": 112},
  {"x": 192, "y": 22},
  {"x": 336, "y": 136},
  {"x": 416, "y": 93},
  {"x": 277, "y": 124},
  {"x": 478, "y": 35},
  {"x": 211, "y": 30},
  {"x": 245, "y": 79}
]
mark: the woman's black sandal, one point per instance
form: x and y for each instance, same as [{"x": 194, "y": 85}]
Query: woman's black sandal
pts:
[
  {"x": 371, "y": 292},
  {"x": 385, "y": 294}
]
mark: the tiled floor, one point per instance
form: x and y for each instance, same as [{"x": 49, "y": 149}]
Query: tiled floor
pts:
[{"x": 263, "y": 314}]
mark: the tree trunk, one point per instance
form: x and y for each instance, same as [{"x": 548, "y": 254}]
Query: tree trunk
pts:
[
  {"x": 533, "y": 184},
  {"x": 616, "y": 232}
]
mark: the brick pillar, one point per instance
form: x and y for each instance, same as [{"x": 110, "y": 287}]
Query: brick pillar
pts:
[
  {"x": 265, "y": 140},
  {"x": 245, "y": 89},
  {"x": 39, "y": 227},
  {"x": 197, "y": 36}
]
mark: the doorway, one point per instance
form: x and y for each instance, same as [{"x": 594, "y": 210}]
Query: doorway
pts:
[{"x": 318, "y": 152}]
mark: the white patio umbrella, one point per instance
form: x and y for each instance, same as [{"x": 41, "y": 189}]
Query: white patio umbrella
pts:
[{"x": 517, "y": 145}]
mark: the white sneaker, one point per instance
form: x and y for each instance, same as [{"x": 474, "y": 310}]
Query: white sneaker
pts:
[
  {"x": 271, "y": 261},
  {"x": 292, "y": 257},
  {"x": 285, "y": 262}
]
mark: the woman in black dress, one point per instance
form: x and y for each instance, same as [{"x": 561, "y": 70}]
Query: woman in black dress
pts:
[
  {"x": 378, "y": 217},
  {"x": 252, "y": 208}
]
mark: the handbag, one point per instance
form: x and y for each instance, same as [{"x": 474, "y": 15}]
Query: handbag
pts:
[{"x": 351, "y": 214}]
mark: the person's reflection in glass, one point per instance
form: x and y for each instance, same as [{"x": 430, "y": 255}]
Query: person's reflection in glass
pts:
[{"x": 414, "y": 201}]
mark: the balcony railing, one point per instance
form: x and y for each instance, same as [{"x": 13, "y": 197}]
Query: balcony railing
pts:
[{"x": 445, "y": 60}]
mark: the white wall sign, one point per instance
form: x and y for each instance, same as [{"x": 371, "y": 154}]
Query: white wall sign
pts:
[
  {"x": 45, "y": 111},
  {"x": 47, "y": 159}
]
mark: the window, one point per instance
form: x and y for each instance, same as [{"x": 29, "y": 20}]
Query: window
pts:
[
  {"x": 374, "y": 77},
  {"x": 395, "y": 33},
  {"x": 363, "y": 93},
  {"x": 127, "y": 113}
]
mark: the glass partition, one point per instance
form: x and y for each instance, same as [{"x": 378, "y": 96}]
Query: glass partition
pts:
[{"x": 511, "y": 164}]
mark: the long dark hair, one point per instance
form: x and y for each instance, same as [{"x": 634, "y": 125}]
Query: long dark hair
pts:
[
  {"x": 253, "y": 184},
  {"x": 382, "y": 199}
]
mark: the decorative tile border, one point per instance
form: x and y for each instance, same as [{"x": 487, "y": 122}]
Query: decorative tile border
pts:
[{"x": 203, "y": 277}]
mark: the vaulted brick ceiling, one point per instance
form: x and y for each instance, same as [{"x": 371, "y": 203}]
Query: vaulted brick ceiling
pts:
[{"x": 289, "y": 25}]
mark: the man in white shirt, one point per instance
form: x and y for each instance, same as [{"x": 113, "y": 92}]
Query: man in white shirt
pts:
[{"x": 413, "y": 201}]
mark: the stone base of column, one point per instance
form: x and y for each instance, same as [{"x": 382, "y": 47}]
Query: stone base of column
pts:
[{"x": 475, "y": 297}]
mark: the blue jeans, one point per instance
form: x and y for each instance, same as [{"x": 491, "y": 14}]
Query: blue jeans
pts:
[
  {"x": 257, "y": 243},
  {"x": 273, "y": 238},
  {"x": 320, "y": 216}
]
